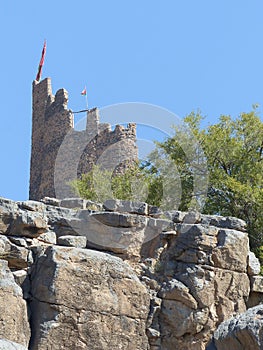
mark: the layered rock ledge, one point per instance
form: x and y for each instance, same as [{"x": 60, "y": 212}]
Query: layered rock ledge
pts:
[{"x": 123, "y": 275}]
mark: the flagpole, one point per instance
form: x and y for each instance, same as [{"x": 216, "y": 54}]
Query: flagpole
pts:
[{"x": 87, "y": 104}]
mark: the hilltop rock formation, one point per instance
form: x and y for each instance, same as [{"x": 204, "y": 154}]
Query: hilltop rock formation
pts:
[{"x": 78, "y": 275}]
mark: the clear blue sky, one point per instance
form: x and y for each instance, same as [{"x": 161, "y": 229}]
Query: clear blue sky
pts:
[{"x": 180, "y": 55}]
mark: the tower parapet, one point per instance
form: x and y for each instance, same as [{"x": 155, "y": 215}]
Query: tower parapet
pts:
[{"x": 59, "y": 153}]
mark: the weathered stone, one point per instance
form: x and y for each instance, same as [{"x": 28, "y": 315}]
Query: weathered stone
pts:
[
  {"x": 151, "y": 283},
  {"x": 4, "y": 245},
  {"x": 224, "y": 222},
  {"x": 72, "y": 203},
  {"x": 20, "y": 276},
  {"x": 18, "y": 257},
  {"x": 48, "y": 237},
  {"x": 241, "y": 332},
  {"x": 175, "y": 215},
  {"x": 7, "y": 203},
  {"x": 14, "y": 324},
  {"x": 10, "y": 345},
  {"x": 153, "y": 335},
  {"x": 118, "y": 219},
  {"x": 194, "y": 243},
  {"x": 233, "y": 223},
  {"x": 214, "y": 283},
  {"x": 31, "y": 205},
  {"x": 122, "y": 206},
  {"x": 176, "y": 290},
  {"x": 8, "y": 212},
  {"x": 92, "y": 205},
  {"x": 20, "y": 222},
  {"x": 231, "y": 251},
  {"x": 191, "y": 321},
  {"x": 121, "y": 233},
  {"x": 209, "y": 286},
  {"x": 73, "y": 241},
  {"x": 154, "y": 211},
  {"x": 192, "y": 217},
  {"x": 257, "y": 284},
  {"x": 161, "y": 225},
  {"x": 253, "y": 266},
  {"x": 63, "y": 221},
  {"x": 118, "y": 238},
  {"x": 22, "y": 279},
  {"x": 51, "y": 201},
  {"x": 196, "y": 276},
  {"x": 29, "y": 224},
  {"x": 103, "y": 305}
]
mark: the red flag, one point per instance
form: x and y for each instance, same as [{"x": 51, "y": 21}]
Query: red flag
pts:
[
  {"x": 41, "y": 62},
  {"x": 84, "y": 91}
]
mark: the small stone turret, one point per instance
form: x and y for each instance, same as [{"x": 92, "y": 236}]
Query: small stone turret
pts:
[{"x": 59, "y": 153}]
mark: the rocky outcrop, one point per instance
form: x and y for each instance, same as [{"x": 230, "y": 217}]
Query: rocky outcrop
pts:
[
  {"x": 120, "y": 276},
  {"x": 203, "y": 278},
  {"x": 241, "y": 332}
]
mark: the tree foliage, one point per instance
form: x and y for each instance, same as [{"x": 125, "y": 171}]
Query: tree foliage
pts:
[
  {"x": 230, "y": 152},
  {"x": 136, "y": 183},
  {"x": 234, "y": 155}
]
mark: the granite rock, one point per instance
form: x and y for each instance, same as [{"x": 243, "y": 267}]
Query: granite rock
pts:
[
  {"x": 102, "y": 305},
  {"x": 14, "y": 320},
  {"x": 241, "y": 332},
  {"x": 73, "y": 241}
]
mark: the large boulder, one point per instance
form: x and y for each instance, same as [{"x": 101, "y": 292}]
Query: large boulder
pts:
[
  {"x": 84, "y": 299},
  {"x": 18, "y": 256},
  {"x": 14, "y": 322},
  {"x": 18, "y": 220},
  {"x": 242, "y": 332}
]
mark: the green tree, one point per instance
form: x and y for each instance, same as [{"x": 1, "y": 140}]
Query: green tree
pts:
[
  {"x": 234, "y": 155},
  {"x": 136, "y": 183},
  {"x": 95, "y": 185}
]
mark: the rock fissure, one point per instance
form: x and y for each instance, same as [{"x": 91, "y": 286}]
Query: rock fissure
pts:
[{"x": 167, "y": 292}]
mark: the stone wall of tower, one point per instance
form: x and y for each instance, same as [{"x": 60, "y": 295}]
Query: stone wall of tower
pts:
[
  {"x": 109, "y": 149},
  {"x": 59, "y": 153},
  {"x": 51, "y": 122}
]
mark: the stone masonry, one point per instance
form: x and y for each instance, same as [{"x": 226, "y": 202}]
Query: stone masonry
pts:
[{"x": 59, "y": 154}]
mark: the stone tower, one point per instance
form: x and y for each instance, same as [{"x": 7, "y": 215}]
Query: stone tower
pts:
[{"x": 59, "y": 153}]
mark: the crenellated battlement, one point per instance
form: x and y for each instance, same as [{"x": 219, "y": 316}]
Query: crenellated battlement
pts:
[{"x": 54, "y": 137}]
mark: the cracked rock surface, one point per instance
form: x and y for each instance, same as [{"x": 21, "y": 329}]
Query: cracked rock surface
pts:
[
  {"x": 123, "y": 275},
  {"x": 84, "y": 299},
  {"x": 14, "y": 323},
  {"x": 241, "y": 332}
]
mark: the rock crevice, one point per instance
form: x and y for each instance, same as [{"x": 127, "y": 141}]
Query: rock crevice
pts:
[{"x": 123, "y": 275}]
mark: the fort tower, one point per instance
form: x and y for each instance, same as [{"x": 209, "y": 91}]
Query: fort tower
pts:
[{"x": 59, "y": 153}]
